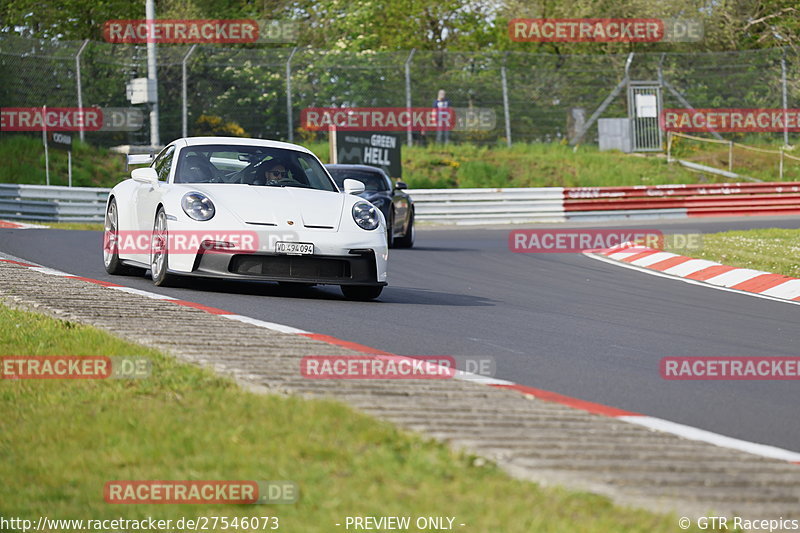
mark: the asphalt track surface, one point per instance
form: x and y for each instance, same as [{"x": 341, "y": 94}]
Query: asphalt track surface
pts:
[{"x": 560, "y": 322}]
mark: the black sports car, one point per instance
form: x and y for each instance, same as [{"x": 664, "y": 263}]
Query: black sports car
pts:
[{"x": 395, "y": 204}]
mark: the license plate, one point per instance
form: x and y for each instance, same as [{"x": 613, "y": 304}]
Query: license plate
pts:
[{"x": 294, "y": 248}]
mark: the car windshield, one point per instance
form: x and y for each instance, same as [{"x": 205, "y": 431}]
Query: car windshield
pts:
[
  {"x": 373, "y": 181},
  {"x": 251, "y": 165}
]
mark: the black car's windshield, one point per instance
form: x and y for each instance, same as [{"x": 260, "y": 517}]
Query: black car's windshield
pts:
[
  {"x": 373, "y": 181},
  {"x": 251, "y": 165}
]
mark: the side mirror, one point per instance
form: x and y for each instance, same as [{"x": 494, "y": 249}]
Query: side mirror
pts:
[
  {"x": 145, "y": 175},
  {"x": 401, "y": 185},
  {"x": 353, "y": 186}
]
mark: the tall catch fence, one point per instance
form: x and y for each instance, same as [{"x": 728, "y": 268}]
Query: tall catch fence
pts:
[{"x": 534, "y": 97}]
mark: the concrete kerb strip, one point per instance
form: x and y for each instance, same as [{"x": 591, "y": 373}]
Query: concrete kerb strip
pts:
[{"x": 537, "y": 436}]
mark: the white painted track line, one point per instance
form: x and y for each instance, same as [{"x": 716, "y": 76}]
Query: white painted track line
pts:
[{"x": 693, "y": 433}]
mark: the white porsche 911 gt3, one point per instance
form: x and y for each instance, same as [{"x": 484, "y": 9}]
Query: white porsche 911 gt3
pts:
[{"x": 250, "y": 209}]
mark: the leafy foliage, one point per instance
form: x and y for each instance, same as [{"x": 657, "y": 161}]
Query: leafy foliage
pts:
[
  {"x": 465, "y": 25},
  {"x": 214, "y": 126}
]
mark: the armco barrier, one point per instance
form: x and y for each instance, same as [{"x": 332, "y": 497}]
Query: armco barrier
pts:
[
  {"x": 51, "y": 203},
  {"x": 487, "y": 206},
  {"x": 669, "y": 201},
  {"x": 481, "y": 206}
]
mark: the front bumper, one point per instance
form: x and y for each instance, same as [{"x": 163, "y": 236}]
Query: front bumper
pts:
[{"x": 357, "y": 268}]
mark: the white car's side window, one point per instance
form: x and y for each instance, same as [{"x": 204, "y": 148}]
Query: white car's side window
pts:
[{"x": 163, "y": 162}]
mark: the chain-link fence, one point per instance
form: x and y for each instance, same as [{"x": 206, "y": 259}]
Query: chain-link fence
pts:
[{"x": 263, "y": 90}]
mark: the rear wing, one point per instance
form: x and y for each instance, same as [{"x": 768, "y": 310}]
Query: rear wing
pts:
[{"x": 138, "y": 159}]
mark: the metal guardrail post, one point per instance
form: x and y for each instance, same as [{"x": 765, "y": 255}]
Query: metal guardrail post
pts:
[
  {"x": 409, "y": 137},
  {"x": 669, "y": 146},
  {"x": 506, "y": 111},
  {"x": 289, "y": 117},
  {"x": 184, "y": 93},
  {"x": 730, "y": 156},
  {"x": 78, "y": 80},
  {"x": 785, "y": 100},
  {"x": 152, "y": 70},
  {"x": 44, "y": 140}
]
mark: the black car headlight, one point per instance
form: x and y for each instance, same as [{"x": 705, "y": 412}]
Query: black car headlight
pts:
[
  {"x": 366, "y": 216},
  {"x": 198, "y": 206}
]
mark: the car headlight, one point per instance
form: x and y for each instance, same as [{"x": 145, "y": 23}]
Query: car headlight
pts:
[
  {"x": 198, "y": 206},
  {"x": 366, "y": 216}
]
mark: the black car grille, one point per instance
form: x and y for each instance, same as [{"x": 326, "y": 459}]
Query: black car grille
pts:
[{"x": 288, "y": 266}]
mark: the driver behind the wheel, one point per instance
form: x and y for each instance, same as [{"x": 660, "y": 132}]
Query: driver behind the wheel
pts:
[
  {"x": 273, "y": 172},
  {"x": 276, "y": 171}
]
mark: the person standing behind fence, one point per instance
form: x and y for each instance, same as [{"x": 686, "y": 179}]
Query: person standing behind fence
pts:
[{"x": 439, "y": 104}]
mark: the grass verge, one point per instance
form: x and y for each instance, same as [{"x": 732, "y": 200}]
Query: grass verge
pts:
[
  {"x": 85, "y": 226},
  {"x": 23, "y": 162},
  {"x": 532, "y": 165},
  {"x": 62, "y": 440},
  {"x": 771, "y": 250},
  {"x": 451, "y": 166},
  {"x": 753, "y": 163}
]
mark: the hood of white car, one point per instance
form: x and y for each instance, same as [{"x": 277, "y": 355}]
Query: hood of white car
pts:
[{"x": 275, "y": 205}]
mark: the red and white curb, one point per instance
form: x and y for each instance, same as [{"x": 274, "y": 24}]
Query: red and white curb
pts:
[
  {"x": 6, "y": 224},
  {"x": 702, "y": 272},
  {"x": 652, "y": 423}
]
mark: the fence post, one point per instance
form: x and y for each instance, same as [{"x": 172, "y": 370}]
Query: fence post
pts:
[
  {"x": 730, "y": 156},
  {"x": 669, "y": 146},
  {"x": 785, "y": 100},
  {"x": 78, "y": 80},
  {"x": 409, "y": 137},
  {"x": 506, "y": 112},
  {"x": 185, "y": 106},
  {"x": 44, "y": 140},
  {"x": 152, "y": 70},
  {"x": 289, "y": 117}
]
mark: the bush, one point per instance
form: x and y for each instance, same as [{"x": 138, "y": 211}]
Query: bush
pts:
[{"x": 216, "y": 126}]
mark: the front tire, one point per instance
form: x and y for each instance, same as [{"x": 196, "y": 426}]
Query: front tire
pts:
[
  {"x": 361, "y": 293},
  {"x": 111, "y": 260},
  {"x": 407, "y": 240},
  {"x": 390, "y": 230},
  {"x": 159, "y": 251}
]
